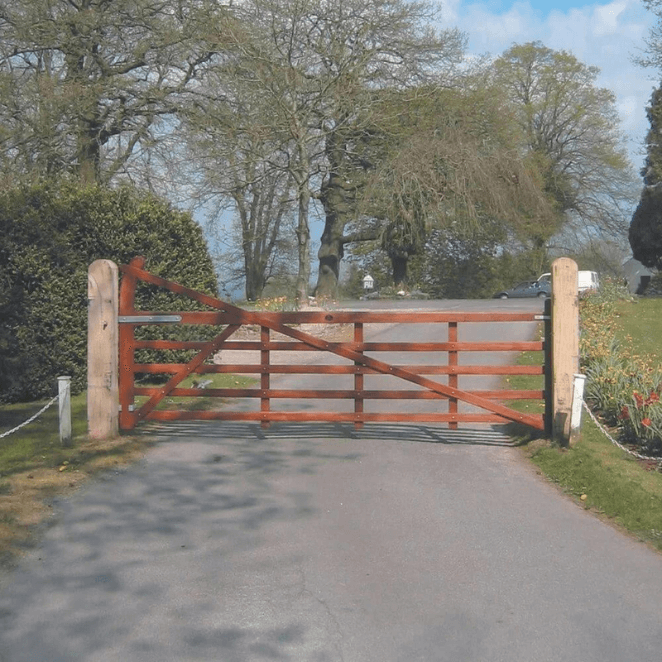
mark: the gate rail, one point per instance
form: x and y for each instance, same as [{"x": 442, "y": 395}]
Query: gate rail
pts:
[{"x": 358, "y": 352}]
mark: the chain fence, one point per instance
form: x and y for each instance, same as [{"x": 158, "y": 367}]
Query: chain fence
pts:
[
  {"x": 32, "y": 418},
  {"x": 602, "y": 429}
]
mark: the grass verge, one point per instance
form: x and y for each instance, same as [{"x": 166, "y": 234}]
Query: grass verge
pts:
[{"x": 597, "y": 474}]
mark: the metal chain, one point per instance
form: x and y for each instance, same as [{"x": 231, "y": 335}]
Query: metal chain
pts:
[
  {"x": 657, "y": 459},
  {"x": 39, "y": 413}
]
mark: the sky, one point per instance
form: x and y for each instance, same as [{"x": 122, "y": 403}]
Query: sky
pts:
[{"x": 603, "y": 34}]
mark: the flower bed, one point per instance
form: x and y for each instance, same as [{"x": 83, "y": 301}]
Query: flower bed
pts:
[{"x": 623, "y": 388}]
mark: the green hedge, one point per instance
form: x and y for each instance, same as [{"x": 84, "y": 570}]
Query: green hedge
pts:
[{"x": 49, "y": 235}]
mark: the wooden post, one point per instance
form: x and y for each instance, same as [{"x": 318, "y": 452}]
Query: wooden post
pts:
[
  {"x": 565, "y": 345},
  {"x": 102, "y": 350},
  {"x": 64, "y": 402}
]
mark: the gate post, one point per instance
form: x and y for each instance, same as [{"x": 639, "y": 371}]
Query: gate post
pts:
[
  {"x": 565, "y": 345},
  {"x": 102, "y": 350}
]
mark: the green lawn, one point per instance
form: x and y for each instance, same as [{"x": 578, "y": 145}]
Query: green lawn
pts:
[{"x": 642, "y": 322}]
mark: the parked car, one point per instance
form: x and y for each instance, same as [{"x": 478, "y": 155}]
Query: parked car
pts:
[
  {"x": 586, "y": 280},
  {"x": 527, "y": 289}
]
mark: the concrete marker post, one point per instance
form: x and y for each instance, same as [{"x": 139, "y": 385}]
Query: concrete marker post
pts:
[
  {"x": 102, "y": 350},
  {"x": 577, "y": 405},
  {"x": 64, "y": 409}
]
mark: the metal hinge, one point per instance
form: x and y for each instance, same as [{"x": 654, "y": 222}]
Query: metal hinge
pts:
[{"x": 149, "y": 319}]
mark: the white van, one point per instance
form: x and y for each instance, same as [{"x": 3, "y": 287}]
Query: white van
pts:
[{"x": 586, "y": 280}]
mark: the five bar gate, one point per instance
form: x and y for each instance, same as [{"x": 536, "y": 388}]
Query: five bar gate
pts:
[{"x": 486, "y": 406}]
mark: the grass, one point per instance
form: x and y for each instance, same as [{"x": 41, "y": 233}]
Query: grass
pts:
[
  {"x": 35, "y": 468},
  {"x": 200, "y": 403},
  {"x": 641, "y": 324},
  {"x": 595, "y": 472}
]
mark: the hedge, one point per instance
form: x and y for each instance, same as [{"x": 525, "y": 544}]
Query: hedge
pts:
[{"x": 49, "y": 235}]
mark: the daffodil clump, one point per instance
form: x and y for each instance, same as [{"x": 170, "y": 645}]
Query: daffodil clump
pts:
[
  {"x": 625, "y": 389},
  {"x": 275, "y": 304}
]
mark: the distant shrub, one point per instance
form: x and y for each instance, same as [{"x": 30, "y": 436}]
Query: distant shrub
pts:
[{"x": 49, "y": 235}]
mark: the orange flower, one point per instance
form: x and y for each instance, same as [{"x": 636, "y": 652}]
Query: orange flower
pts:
[
  {"x": 625, "y": 413},
  {"x": 646, "y": 422},
  {"x": 638, "y": 399}
]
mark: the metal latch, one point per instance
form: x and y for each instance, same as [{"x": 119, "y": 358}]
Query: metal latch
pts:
[{"x": 149, "y": 319}]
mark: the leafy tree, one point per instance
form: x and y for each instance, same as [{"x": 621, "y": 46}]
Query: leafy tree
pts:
[
  {"x": 87, "y": 84},
  {"x": 49, "y": 235},
  {"x": 646, "y": 227},
  {"x": 311, "y": 68},
  {"x": 653, "y": 54},
  {"x": 571, "y": 129},
  {"x": 465, "y": 264},
  {"x": 453, "y": 161},
  {"x": 245, "y": 169}
]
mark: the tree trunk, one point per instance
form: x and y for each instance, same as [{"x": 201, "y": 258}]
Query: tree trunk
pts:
[
  {"x": 399, "y": 264},
  {"x": 254, "y": 283},
  {"x": 337, "y": 199},
  {"x": 330, "y": 253},
  {"x": 303, "y": 245}
]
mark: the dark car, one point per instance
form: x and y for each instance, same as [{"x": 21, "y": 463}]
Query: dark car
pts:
[{"x": 529, "y": 288}]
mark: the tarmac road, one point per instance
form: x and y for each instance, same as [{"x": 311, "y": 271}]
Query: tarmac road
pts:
[{"x": 319, "y": 543}]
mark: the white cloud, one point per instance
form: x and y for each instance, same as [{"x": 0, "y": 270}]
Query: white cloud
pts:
[{"x": 606, "y": 18}]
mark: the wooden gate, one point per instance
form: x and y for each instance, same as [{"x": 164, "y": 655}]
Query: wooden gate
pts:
[{"x": 486, "y": 406}]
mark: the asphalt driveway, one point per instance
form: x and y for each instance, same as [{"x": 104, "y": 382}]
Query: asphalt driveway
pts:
[{"x": 321, "y": 543}]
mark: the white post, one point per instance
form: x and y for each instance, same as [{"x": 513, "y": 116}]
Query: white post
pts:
[
  {"x": 577, "y": 402},
  {"x": 64, "y": 399}
]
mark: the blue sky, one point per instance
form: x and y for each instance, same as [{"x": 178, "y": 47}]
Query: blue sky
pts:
[
  {"x": 540, "y": 6},
  {"x": 603, "y": 34}
]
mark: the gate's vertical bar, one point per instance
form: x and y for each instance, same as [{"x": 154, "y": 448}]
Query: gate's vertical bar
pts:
[
  {"x": 452, "y": 377},
  {"x": 358, "y": 378},
  {"x": 127, "y": 370},
  {"x": 547, "y": 349},
  {"x": 102, "y": 344},
  {"x": 265, "y": 384}
]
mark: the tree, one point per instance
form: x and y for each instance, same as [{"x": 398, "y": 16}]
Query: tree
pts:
[
  {"x": 401, "y": 52},
  {"x": 314, "y": 66},
  {"x": 87, "y": 84},
  {"x": 238, "y": 152},
  {"x": 471, "y": 264},
  {"x": 646, "y": 227},
  {"x": 571, "y": 129},
  {"x": 653, "y": 54},
  {"x": 49, "y": 234},
  {"x": 453, "y": 161}
]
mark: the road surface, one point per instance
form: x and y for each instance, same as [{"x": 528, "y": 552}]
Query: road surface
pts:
[{"x": 318, "y": 543}]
